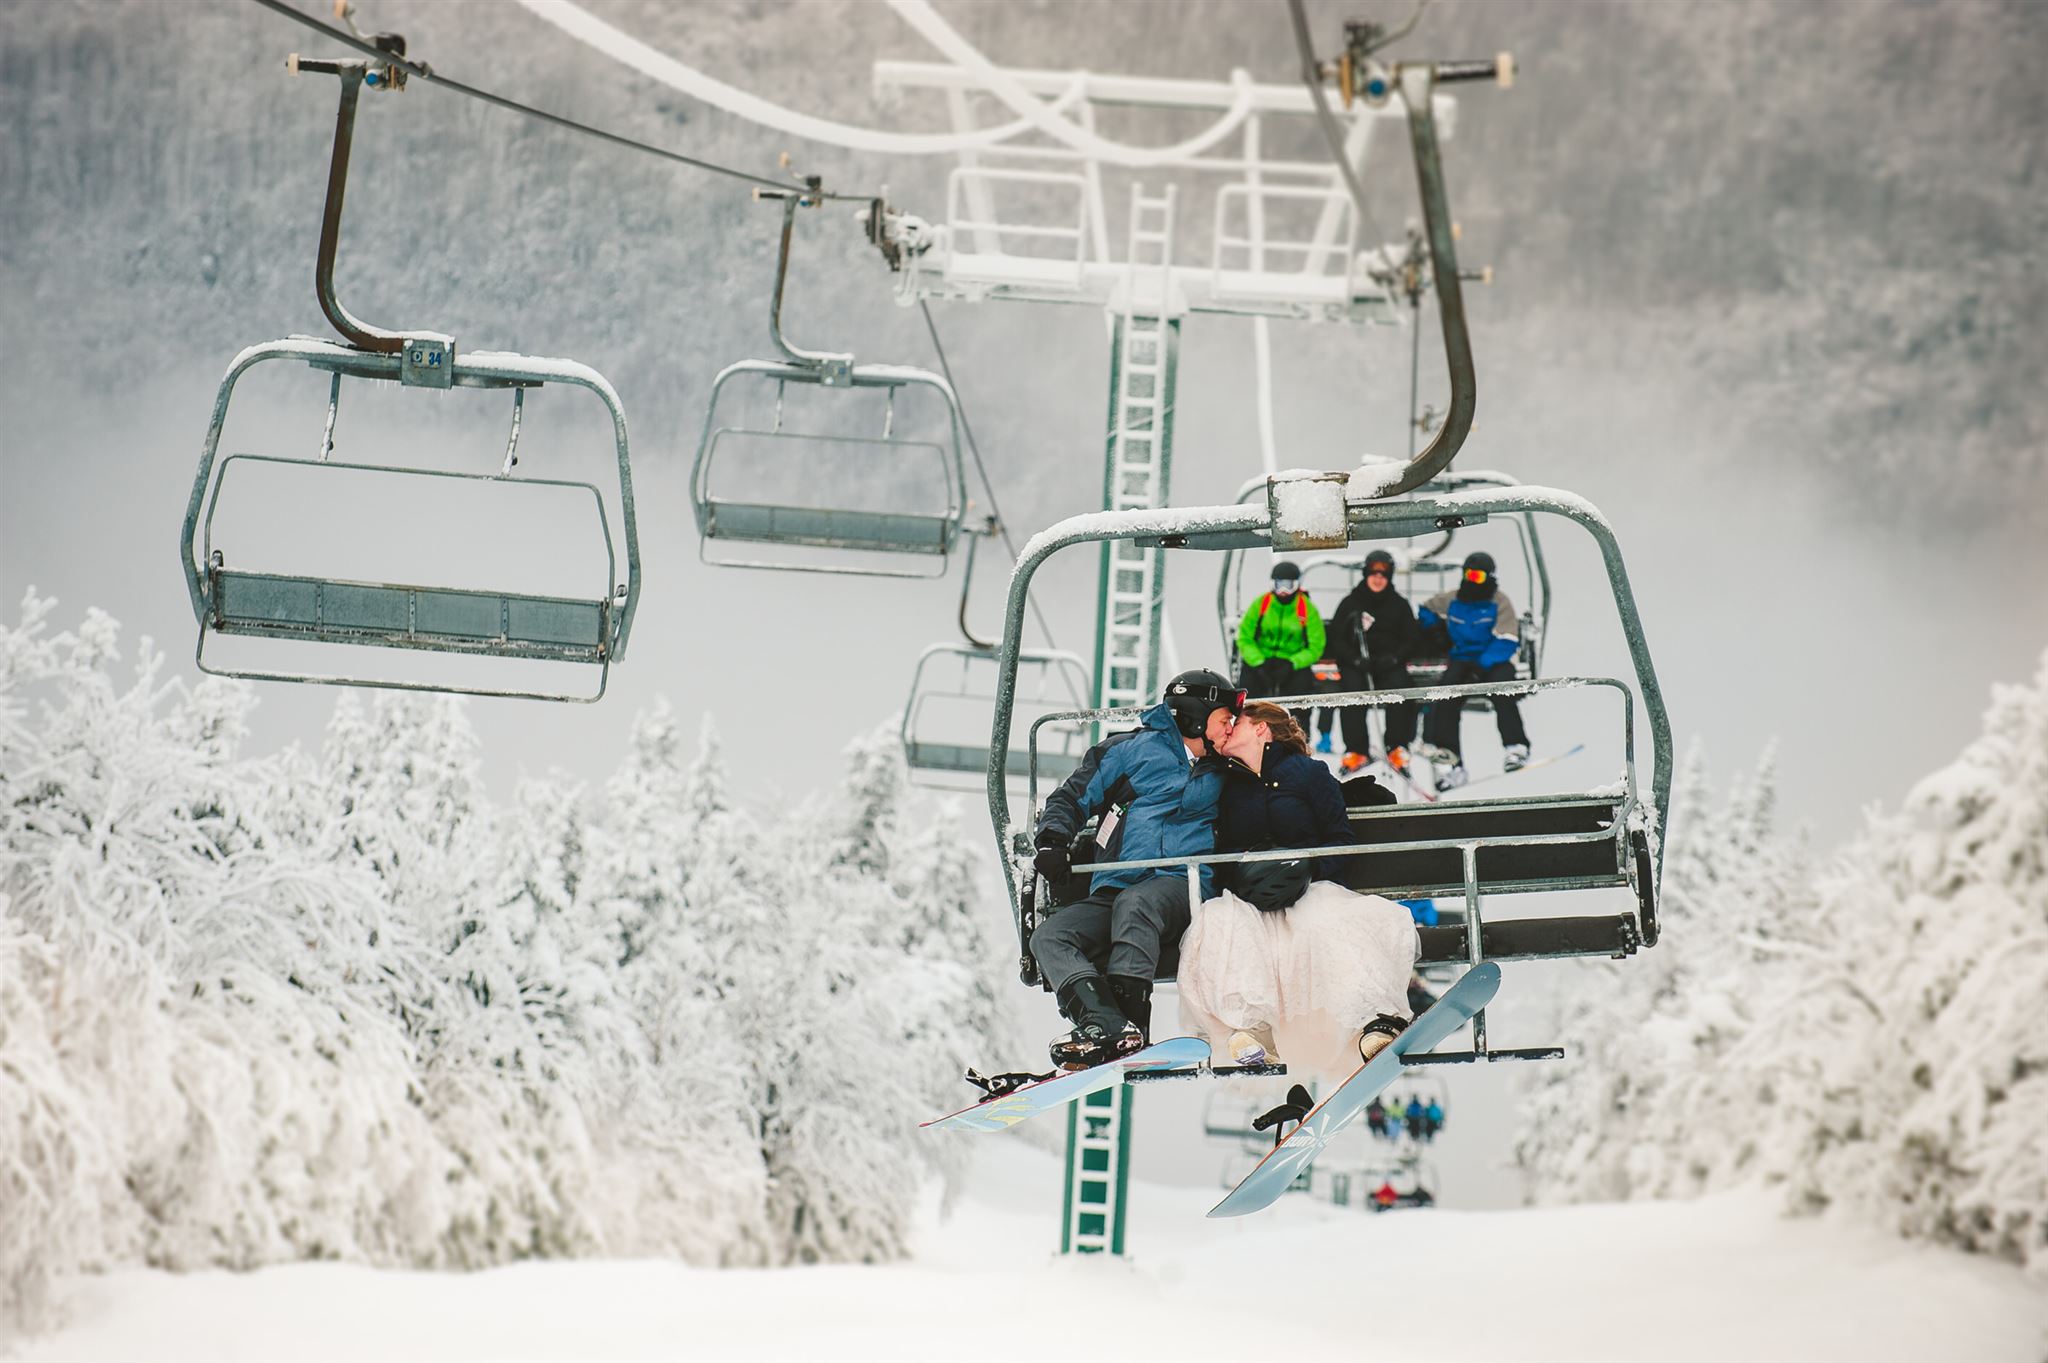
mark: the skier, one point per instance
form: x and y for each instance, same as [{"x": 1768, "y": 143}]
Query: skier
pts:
[
  {"x": 1279, "y": 641},
  {"x": 1413, "y": 1117},
  {"x": 1373, "y": 634},
  {"x": 1432, "y": 1119},
  {"x": 1397, "y": 1118},
  {"x": 1385, "y": 1195},
  {"x": 1376, "y": 1117},
  {"x": 1484, "y": 634},
  {"x": 1327, "y": 979},
  {"x": 1155, "y": 788}
]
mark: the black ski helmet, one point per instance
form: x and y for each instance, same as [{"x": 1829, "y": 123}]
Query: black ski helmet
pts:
[
  {"x": 1284, "y": 571},
  {"x": 1383, "y": 558},
  {"x": 1192, "y": 696},
  {"x": 1481, "y": 560}
]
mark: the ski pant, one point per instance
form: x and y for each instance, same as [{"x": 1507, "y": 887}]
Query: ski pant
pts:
[
  {"x": 1122, "y": 930},
  {"x": 1278, "y": 677},
  {"x": 1442, "y": 727},
  {"x": 1385, "y": 674}
]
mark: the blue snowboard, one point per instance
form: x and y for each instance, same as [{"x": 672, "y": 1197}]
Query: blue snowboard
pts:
[
  {"x": 994, "y": 1114},
  {"x": 1263, "y": 1185}
]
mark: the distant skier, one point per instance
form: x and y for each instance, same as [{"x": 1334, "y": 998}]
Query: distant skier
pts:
[
  {"x": 1155, "y": 789},
  {"x": 1484, "y": 634},
  {"x": 1372, "y": 636},
  {"x": 1414, "y": 1117},
  {"x": 1280, "y": 640},
  {"x": 1432, "y": 1119},
  {"x": 1376, "y": 1118}
]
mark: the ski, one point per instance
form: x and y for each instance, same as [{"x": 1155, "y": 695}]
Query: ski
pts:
[
  {"x": 1028, "y": 1100},
  {"x": 1264, "y": 1184}
]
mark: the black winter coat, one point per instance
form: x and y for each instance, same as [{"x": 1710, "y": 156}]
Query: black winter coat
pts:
[
  {"x": 1294, "y": 802},
  {"x": 1393, "y": 633}
]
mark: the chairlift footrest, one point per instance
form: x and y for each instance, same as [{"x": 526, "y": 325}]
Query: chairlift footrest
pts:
[
  {"x": 1207, "y": 1072},
  {"x": 1469, "y": 1057}
]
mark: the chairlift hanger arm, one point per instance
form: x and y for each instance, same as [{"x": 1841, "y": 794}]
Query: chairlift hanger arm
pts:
[
  {"x": 354, "y": 75},
  {"x": 1416, "y": 83},
  {"x": 833, "y": 365}
]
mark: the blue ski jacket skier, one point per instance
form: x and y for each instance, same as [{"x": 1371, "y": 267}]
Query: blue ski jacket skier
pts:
[
  {"x": 1167, "y": 803},
  {"x": 1483, "y": 632}
]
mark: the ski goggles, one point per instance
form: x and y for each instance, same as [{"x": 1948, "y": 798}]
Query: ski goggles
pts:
[
  {"x": 1476, "y": 574},
  {"x": 1378, "y": 570},
  {"x": 1215, "y": 697}
]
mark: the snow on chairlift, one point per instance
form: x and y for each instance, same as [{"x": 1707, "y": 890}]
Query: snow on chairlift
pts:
[
  {"x": 1605, "y": 837},
  {"x": 899, "y": 466},
  {"x": 588, "y": 631}
]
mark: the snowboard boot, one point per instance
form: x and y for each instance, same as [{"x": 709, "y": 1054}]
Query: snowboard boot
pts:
[
  {"x": 1379, "y": 1034},
  {"x": 1450, "y": 778},
  {"x": 1100, "y": 1032},
  {"x": 1515, "y": 757},
  {"x": 1323, "y": 743},
  {"x": 1133, "y": 996}
]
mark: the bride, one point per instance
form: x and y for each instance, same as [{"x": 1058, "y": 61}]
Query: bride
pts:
[{"x": 1287, "y": 963}]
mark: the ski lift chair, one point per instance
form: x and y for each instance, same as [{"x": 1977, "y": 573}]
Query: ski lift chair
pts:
[
  {"x": 944, "y": 682},
  {"x": 1606, "y": 837},
  {"x": 872, "y": 537},
  {"x": 590, "y": 630}
]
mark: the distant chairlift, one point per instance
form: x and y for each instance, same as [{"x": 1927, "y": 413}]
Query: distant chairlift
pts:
[
  {"x": 952, "y": 699},
  {"x": 933, "y": 466},
  {"x": 590, "y": 630}
]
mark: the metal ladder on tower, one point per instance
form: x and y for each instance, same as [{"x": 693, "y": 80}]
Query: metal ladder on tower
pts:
[{"x": 1144, "y": 358}]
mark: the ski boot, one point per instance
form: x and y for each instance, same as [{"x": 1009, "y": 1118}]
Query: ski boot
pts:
[
  {"x": 1100, "y": 1032},
  {"x": 1354, "y": 760},
  {"x": 1379, "y": 1034},
  {"x": 1397, "y": 758},
  {"x": 1515, "y": 757},
  {"x": 1323, "y": 743},
  {"x": 1450, "y": 778}
]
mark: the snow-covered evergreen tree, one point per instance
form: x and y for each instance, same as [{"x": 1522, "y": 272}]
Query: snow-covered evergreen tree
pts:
[
  {"x": 1869, "y": 1037},
  {"x": 341, "y": 1005}
]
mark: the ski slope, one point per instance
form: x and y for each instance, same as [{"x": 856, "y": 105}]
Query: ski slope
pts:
[{"x": 1719, "y": 1279}]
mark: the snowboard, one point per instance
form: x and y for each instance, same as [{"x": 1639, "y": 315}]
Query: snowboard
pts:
[
  {"x": 994, "y": 1114},
  {"x": 1531, "y": 765},
  {"x": 1292, "y": 1157}
]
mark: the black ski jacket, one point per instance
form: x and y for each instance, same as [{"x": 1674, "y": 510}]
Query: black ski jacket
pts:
[
  {"x": 1294, "y": 801},
  {"x": 1392, "y": 634}
]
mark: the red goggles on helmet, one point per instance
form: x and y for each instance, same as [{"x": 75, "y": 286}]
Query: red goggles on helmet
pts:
[{"x": 1476, "y": 574}]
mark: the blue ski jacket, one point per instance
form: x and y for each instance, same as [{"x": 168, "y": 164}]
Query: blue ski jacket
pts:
[
  {"x": 1482, "y": 632},
  {"x": 1166, "y": 804}
]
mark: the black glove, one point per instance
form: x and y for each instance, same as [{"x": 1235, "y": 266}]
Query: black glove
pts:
[
  {"x": 1270, "y": 885},
  {"x": 1055, "y": 858}
]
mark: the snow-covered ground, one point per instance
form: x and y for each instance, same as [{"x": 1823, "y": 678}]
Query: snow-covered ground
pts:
[{"x": 1723, "y": 1278}]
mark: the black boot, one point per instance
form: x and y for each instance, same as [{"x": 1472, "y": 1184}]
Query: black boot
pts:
[
  {"x": 1100, "y": 1032},
  {"x": 1379, "y": 1034},
  {"x": 1133, "y": 995}
]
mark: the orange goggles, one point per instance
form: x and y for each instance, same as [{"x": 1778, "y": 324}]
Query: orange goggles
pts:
[{"x": 1476, "y": 574}]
